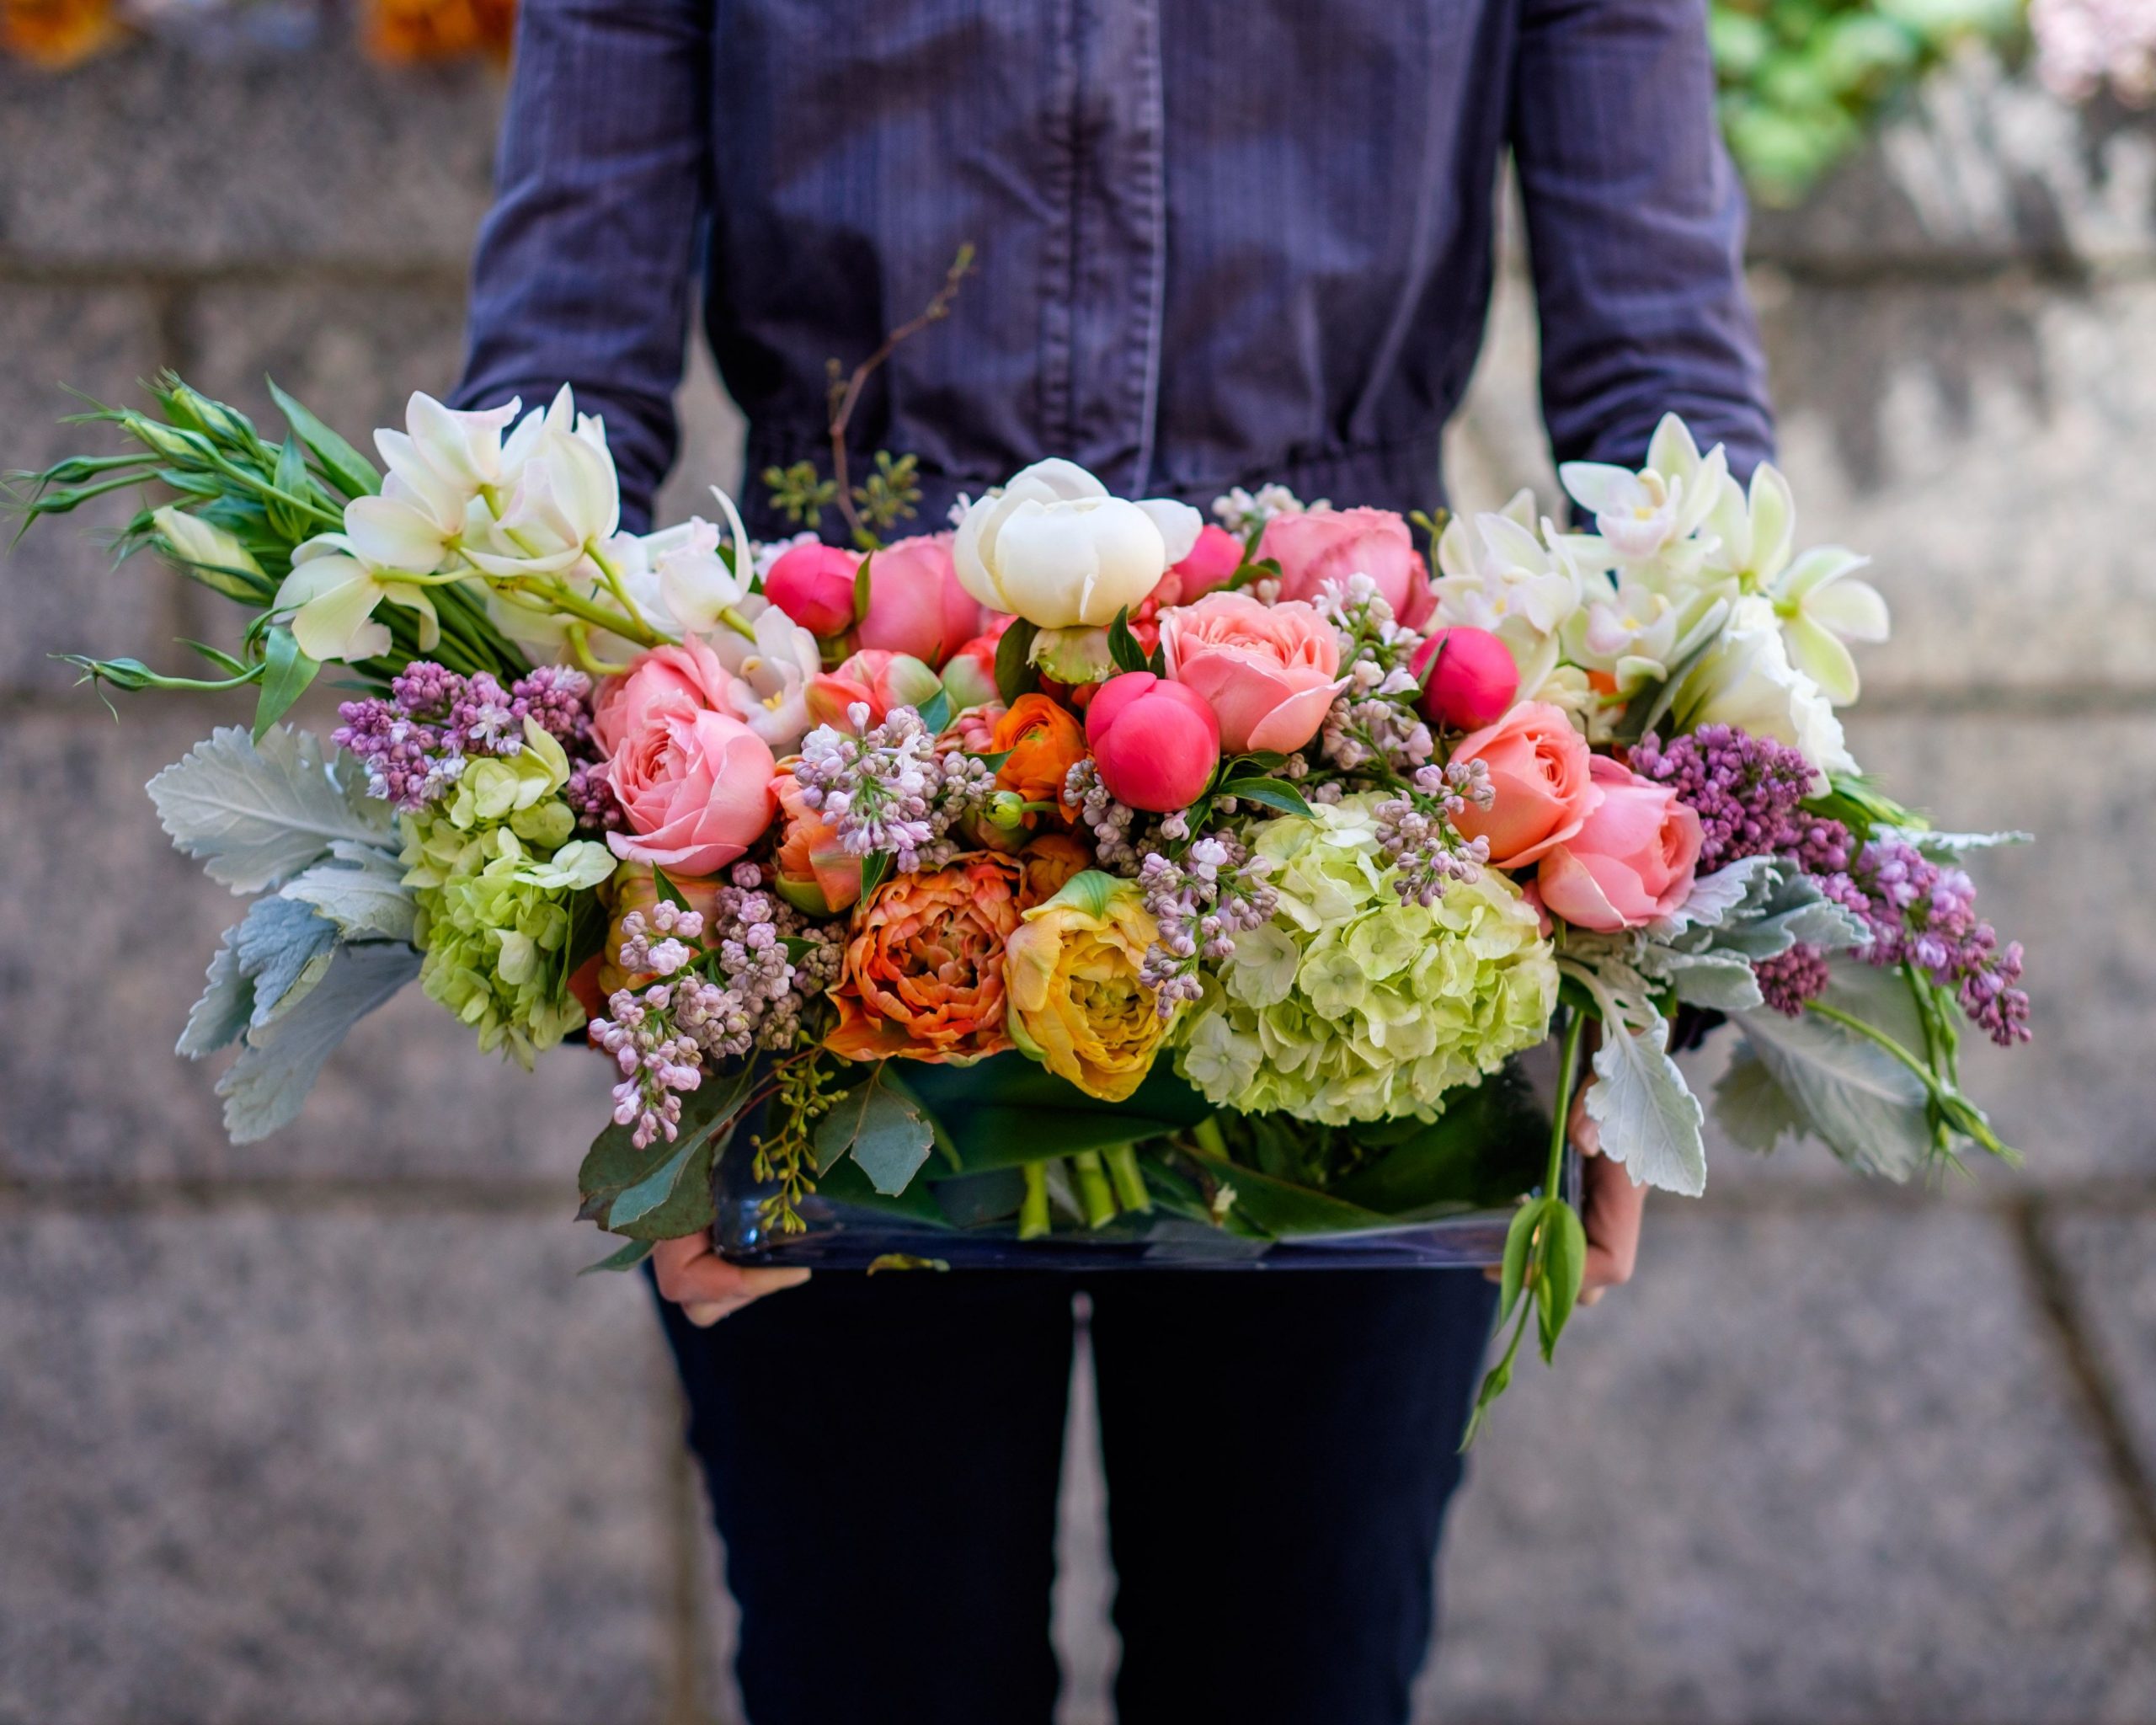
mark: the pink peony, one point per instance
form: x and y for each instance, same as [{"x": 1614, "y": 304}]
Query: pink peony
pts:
[
  {"x": 1632, "y": 859},
  {"x": 691, "y": 672},
  {"x": 883, "y": 680},
  {"x": 1266, "y": 671},
  {"x": 696, "y": 785},
  {"x": 1321, "y": 545},
  {"x": 916, "y": 605},
  {"x": 1474, "y": 682},
  {"x": 1211, "y": 563},
  {"x": 1539, "y": 768},
  {"x": 813, "y": 585},
  {"x": 1154, "y": 742}
]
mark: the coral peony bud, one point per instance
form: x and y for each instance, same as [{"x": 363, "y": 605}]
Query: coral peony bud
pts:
[
  {"x": 813, "y": 585},
  {"x": 1474, "y": 682},
  {"x": 881, "y": 681},
  {"x": 970, "y": 677},
  {"x": 1154, "y": 742}
]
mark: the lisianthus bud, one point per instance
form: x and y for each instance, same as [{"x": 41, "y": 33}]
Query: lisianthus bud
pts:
[
  {"x": 813, "y": 585},
  {"x": 970, "y": 677},
  {"x": 1474, "y": 682},
  {"x": 1154, "y": 742},
  {"x": 1007, "y": 810}
]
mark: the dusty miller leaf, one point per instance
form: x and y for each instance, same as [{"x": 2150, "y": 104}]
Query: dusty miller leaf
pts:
[
  {"x": 257, "y": 813},
  {"x": 1752, "y": 1109},
  {"x": 363, "y": 893},
  {"x": 226, "y": 1004},
  {"x": 283, "y": 949},
  {"x": 268, "y": 1082},
  {"x": 1648, "y": 1116}
]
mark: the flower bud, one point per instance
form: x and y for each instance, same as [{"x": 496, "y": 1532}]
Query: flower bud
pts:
[
  {"x": 1007, "y": 810},
  {"x": 1155, "y": 743},
  {"x": 1473, "y": 683},
  {"x": 813, "y": 585},
  {"x": 970, "y": 677},
  {"x": 1073, "y": 656}
]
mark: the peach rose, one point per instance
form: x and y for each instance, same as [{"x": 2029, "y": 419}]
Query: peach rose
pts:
[
  {"x": 916, "y": 605},
  {"x": 811, "y": 870},
  {"x": 1539, "y": 768},
  {"x": 696, "y": 785},
  {"x": 1321, "y": 545},
  {"x": 1266, "y": 671},
  {"x": 690, "y": 672},
  {"x": 1632, "y": 859},
  {"x": 922, "y": 976}
]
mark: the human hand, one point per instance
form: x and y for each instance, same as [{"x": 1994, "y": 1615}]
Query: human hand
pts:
[
  {"x": 707, "y": 1288},
  {"x": 1611, "y": 1208}
]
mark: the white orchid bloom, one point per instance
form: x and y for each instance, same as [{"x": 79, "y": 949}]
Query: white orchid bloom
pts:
[
  {"x": 559, "y": 416},
  {"x": 332, "y": 593},
  {"x": 770, "y": 673},
  {"x": 676, "y": 579},
  {"x": 567, "y": 503},
  {"x": 1055, "y": 548},
  {"x": 1497, "y": 574},
  {"x": 1821, "y": 609},
  {"x": 1747, "y": 679}
]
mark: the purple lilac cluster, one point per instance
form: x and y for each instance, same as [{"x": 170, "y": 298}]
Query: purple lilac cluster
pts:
[
  {"x": 1374, "y": 719},
  {"x": 658, "y": 1058},
  {"x": 1109, "y": 822},
  {"x": 1748, "y": 792},
  {"x": 1924, "y": 914},
  {"x": 413, "y": 742},
  {"x": 1417, "y": 833},
  {"x": 887, "y": 789},
  {"x": 1201, "y": 905}
]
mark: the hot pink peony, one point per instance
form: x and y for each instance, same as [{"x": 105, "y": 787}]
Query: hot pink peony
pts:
[
  {"x": 1474, "y": 682},
  {"x": 691, "y": 672},
  {"x": 1321, "y": 545},
  {"x": 916, "y": 605},
  {"x": 883, "y": 680},
  {"x": 1539, "y": 768},
  {"x": 1632, "y": 859},
  {"x": 696, "y": 785},
  {"x": 1155, "y": 743},
  {"x": 813, "y": 585},
  {"x": 1212, "y": 562},
  {"x": 1266, "y": 671}
]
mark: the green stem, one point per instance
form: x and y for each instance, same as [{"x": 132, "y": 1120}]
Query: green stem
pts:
[
  {"x": 254, "y": 481},
  {"x": 1568, "y": 1066},
  {"x": 1093, "y": 1188},
  {"x": 1966, "y": 1119},
  {"x": 1206, "y": 1135},
  {"x": 1032, "y": 1208},
  {"x": 1129, "y": 1180}
]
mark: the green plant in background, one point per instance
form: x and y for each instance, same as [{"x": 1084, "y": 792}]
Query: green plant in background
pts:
[{"x": 1801, "y": 82}]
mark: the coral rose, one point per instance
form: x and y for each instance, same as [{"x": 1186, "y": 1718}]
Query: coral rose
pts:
[
  {"x": 691, "y": 672},
  {"x": 1155, "y": 742},
  {"x": 922, "y": 976},
  {"x": 916, "y": 605},
  {"x": 1045, "y": 742},
  {"x": 695, "y": 785},
  {"x": 1632, "y": 859},
  {"x": 1322, "y": 545},
  {"x": 1076, "y": 1003},
  {"x": 811, "y": 870},
  {"x": 1539, "y": 768},
  {"x": 1266, "y": 671}
]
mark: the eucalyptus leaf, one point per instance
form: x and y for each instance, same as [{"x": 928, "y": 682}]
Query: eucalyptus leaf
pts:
[
  {"x": 614, "y": 1165},
  {"x": 628, "y": 1258},
  {"x": 638, "y": 1201},
  {"x": 1648, "y": 1117},
  {"x": 1269, "y": 793},
  {"x": 1015, "y": 675},
  {"x": 256, "y": 813},
  {"x": 267, "y": 1085},
  {"x": 886, "y": 1133}
]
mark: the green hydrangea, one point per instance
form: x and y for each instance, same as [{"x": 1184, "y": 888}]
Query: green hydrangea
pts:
[{"x": 1350, "y": 1005}]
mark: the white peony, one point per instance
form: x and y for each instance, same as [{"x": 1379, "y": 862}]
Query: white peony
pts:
[
  {"x": 1053, "y": 547},
  {"x": 1746, "y": 681}
]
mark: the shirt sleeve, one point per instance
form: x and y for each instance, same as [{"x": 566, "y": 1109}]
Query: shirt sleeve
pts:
[
  {"x": 1635, "y": 233},
  {"x": 585, "y": 264}
]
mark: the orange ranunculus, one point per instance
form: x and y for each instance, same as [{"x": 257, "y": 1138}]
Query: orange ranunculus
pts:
[
  {"x": 1045, "y": 742},
  {"x": 1049, "y": 863},
  {"x": 923, "y": 973}
]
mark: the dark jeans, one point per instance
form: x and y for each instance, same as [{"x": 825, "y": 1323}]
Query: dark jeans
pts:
[{"x": 884, "y": 1456}]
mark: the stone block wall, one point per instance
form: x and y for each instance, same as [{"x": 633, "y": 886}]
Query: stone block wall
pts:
[{"x": 324, "y": 1429}]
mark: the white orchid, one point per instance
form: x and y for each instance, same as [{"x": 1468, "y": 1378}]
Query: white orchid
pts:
[
  {"x": 1746, "y": 680},
  {"x": 770, "y": 671},
  {"x": 332, "y": 593},
  {"x": 1652, "y": 517},
  {"x": 567, "y": 504},
  {"x": 1054, "y": 547},
  {"x": 1497, "y": 574}
]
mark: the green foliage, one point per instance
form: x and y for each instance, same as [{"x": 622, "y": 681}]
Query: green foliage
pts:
[
  {"x": 892, "y": 493},
  {"x": 1802, "y": 81},
  {"x": 800, "y": 494}
]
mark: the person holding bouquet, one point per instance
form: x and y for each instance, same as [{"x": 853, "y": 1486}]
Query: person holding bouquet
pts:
[{"x": 1218, "y": 243}]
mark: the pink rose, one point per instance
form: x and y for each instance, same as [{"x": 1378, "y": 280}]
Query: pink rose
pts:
[
  {"x": 696, "y": 785},
  {"x": 883, "y": 680},
  {"x": 1422, "y": 603},
  {"x": 691, "y": 672},
  {"x": 1632, "y": 859},
  {"x": 1212, "y": 561},
  {"x": 1539, "y": 769},
  {"x": 1154, "y": 742},
  {"x": 916, "y": 605},
  {"x": 1266, "y": 671},
  {"x": 1474, "y": 682},
  {"x": 813, "y": 585},
  {"x": 1321, "y": 545}
]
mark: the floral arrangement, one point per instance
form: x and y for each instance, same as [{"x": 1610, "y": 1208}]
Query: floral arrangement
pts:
[{"x": 1143, "y": 866}]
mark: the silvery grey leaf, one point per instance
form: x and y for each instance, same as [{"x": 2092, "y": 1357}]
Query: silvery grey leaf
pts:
[
  {"x": 1714, "y": 896},
  {"x": 268, "y": 1082},
  {"x": 367, "y": 902},
  {"x": 227, "y": 1003},
  {"x": 1947, "y": 847},
  {"x": 284, "y": 947},
  {"x": 1849, "y": 1093},
  {"x": 256, "y": 815},
  {"x": 1753, "y": 1109},
  {"x": 1649, "y": 1119},
  {"x": 1720, "y": 981}
]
